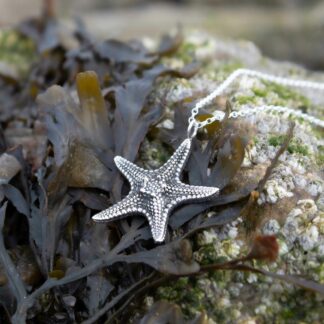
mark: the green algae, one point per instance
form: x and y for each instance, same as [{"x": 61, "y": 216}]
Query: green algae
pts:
[
  {"x": 192, "y": 297},
  {"x": 185, "y": 293},
  {"x": 287, "y": 94},
  {"x": 186, "y": 52},
  {"x": 259, "y": 92},
  {"x": 244, "y": 100},
  {"x": 296, "y": 310},
  {"x": 294, "y": 147},
  {"x": 320, "y": 156},
  {"x": 207, "y": 254},
  {"x": 230, "y": 66},
  {"x": 17, "y": 51},
  {"x": 284, "y": 95},
  {"x": 153, "y": 153}
]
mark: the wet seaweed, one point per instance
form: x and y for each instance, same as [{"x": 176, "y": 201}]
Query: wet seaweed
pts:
[{"x": 81, "y": 103}]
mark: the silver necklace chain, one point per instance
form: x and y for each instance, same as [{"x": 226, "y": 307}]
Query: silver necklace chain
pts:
[{"x": 194, "y": 124}]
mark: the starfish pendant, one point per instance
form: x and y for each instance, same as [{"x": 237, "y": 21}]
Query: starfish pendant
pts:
[{"x": 155, "y": 193}]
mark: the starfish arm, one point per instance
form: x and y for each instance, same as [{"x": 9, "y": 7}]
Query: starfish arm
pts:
[
  {"x": 173, "y": 167},
  {"x": 157, "y": 217},
  {"x": 129, "y": 205},
  {"x": 129, "y": 170},
  {"x": 181, "y": 192}
]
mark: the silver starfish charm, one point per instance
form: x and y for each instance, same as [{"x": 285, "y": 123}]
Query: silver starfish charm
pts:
[{"x": 154, "y": 193}]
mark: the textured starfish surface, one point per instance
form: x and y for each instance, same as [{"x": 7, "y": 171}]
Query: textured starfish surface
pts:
[{"x": 154, "y": 193}]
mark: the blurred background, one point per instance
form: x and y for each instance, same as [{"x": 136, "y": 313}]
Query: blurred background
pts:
[{"x": 284, "y": 29}]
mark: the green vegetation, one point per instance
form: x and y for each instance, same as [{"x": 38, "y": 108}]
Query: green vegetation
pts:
[
  {"x": 286, "y": 94},
  {"x": 186, "y": 52},
  {"x": 294, "y": 147},
  {"x": 207, "y": 254},
  {"x": 16, "y": 51},
  {"x": 230, "y": 67},
  {"x": 184, "y": 292},
  {"x": 320, "y": 156},
  {"x": 192, "y": 295},
  {"x": 259, "y": 92},
  {"x": 243, "y": 100}
]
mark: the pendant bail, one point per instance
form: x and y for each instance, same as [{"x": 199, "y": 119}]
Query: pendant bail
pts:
[{"x": 192, "y": 129}]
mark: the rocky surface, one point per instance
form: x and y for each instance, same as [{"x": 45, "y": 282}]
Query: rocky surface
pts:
[{"x": 292, "y": 201}]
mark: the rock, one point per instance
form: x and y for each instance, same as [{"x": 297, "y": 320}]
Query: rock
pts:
[
  {"x": 271, "y": 227},
  {"x": 297, "y": 180}
]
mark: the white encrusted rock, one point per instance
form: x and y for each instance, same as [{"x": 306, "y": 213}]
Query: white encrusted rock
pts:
[
  {"x": 309, "y": 239},
  {"x": 271, "y": 227}
]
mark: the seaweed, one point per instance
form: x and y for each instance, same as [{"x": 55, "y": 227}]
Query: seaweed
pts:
[{"x": 81, "y": 103}]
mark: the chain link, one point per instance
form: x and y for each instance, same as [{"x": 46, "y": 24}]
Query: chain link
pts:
[
  {"x": 219, "y": 115},
  {"x": 279, "y": 109}
]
